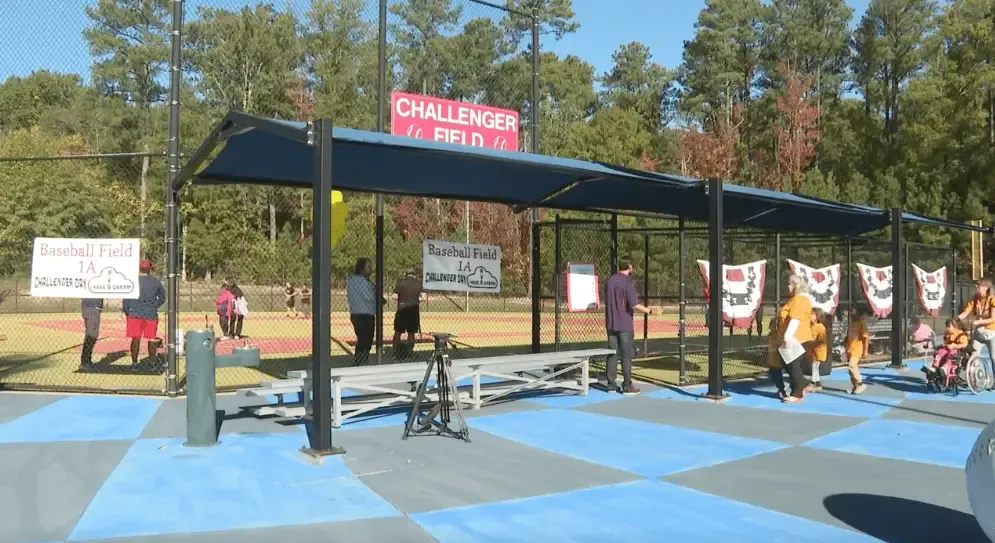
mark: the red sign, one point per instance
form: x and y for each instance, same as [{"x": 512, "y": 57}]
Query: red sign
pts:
[{"x": 430, "y": 118}]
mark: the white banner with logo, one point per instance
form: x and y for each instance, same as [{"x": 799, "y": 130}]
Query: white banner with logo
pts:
[
  {"x": 85, "y": 268},
  {"x": 823, "y": 284},
  {"x": 459, "y": 267},
  {"x": 932, "y": 288}
]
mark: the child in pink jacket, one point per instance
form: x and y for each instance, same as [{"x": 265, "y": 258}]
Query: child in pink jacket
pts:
[{"x": 225, "y": 304}]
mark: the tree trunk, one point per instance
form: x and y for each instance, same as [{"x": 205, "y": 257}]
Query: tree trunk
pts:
[
  {"x": 272, "y": 220},
  {"x": 144, "y": 190}
]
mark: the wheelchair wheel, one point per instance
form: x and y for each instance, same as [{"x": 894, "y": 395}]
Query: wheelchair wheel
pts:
[{"x": 976, "y": 374}]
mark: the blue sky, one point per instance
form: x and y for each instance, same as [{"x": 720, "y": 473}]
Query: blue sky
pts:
[{"x": 46, "y": 34}]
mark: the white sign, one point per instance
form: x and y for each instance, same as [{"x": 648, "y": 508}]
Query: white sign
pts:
[
  {"x": 458, "y": 267},
  {"x": 582, "y": 287},
  {"x": 85, "y": 268}
]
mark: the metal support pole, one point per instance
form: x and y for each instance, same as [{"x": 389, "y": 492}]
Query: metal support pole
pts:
[
  {"x": 614, "y": 243},
  {"x": 560, "y": 278},
  {"x": 777, "y": 268},
  {"x": 646, "y": 293},
  {"x": 682, "y": 303},
  {"x": 320, "y": 138},
  {"x": 172, "y": 210},
  {"x": 379, "y": 279},
  {"x": 381, "y": 127},
  {"x": 534, "y": 147},
  {"x": 898, "y": 290},
  {"x": 953, "y": 282},
  {"x": 716, "y": 258}
]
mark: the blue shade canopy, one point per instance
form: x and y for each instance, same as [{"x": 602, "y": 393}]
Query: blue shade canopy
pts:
[{"x": 275, "y": 152}]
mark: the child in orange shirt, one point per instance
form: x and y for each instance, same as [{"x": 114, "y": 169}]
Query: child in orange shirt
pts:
[
  {"x": 818, "y": 349},
  {"x": 954, "y": 339},
  {"x": 857, "y": 342}
]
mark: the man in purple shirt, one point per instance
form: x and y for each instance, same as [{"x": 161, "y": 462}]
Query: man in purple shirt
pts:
[{"x": 621, "y": 301}]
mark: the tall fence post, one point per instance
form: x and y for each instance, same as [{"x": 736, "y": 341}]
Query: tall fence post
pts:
[
  {"x": 777, "y": 268},
  {"x": 646, "y": 292},
  {"x": 716, "y": 254},
  {"x": 172, "y": 212},
  {"x": 613, "y": 250},
  {"x": 559, "y": 276},
  {"x": 381, "y": 127},
  {"x": 953, "y": 283},
  {"x": 534, "y": 131},
  {"x": 682, "y": 303},
  {"x": 898, "y": 294}
]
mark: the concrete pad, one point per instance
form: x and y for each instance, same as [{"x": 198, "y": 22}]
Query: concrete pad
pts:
[
  {"x": 248, "y": 481},
  {"x": 642, "y": 511},
  {"x": 976, "y": 415},
  {"x": 874, "y": 389},
  {"x": 377, "y": 530},
  {"x": 82, "y": 418},
  {"x": 639, "y": 447},
  {"x": 426, "y": 473},
  {"x": 170, "y": 420},
  {"x": 15, "y": 405},
  {"x": 46, "y": 487},
  {"x": 780, "y": 426},
  {"x": 831, "y": 487},
  {"x": 904, "y": 440}
]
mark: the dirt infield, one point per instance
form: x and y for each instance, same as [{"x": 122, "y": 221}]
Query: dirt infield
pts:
[{"x": 42, "y": 350}]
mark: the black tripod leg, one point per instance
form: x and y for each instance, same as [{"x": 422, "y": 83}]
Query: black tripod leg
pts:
[
  {"x": 419, "y": 397},
  {"x": 464, "y": 431}
]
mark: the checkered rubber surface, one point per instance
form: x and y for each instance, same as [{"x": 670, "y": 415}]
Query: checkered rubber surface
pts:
[{"x": 662, "y": 466}]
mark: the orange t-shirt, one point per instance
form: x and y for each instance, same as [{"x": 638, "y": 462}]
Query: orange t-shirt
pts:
[
  {"x": 857, "y": 339},
  {"x": 981, "y": 309},
  {"x": 819, "y": 348},
  {"x": 956, "y": 339},
  {"x": 797, "y": 307}
]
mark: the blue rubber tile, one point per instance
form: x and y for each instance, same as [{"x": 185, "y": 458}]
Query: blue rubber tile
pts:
[
  {"x": 643, "y": 448},
  {"x": 248, "y": 481},
  {"x": 762, "y": 396},
  {"x": 643, "y": 511},
  {"x": 82, "y": 418},
  {"x": 904, "y": 440}
]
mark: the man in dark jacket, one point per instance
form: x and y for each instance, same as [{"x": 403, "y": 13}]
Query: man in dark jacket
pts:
[
  {"x": 621, "y": 302},
  {"x": 143, "y": 314}
]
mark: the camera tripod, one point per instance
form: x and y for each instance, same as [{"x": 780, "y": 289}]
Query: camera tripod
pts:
[{"x": 448, "y": 393}]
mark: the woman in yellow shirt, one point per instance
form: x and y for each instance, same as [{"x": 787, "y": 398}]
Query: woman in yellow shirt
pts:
[
  {"x": 980, "y": 309},
  {"x": 794, "y": 330},
  {"x": 818, "y": 349},
  {"x": 858, "y": 340}
]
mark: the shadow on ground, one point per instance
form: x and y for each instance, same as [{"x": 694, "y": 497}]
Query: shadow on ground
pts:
[{"x": 898, "y": 520}]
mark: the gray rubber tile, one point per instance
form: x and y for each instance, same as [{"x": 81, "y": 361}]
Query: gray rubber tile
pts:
[
  {"x": 46, "y": 487},
  {"x": 851, "y": 491},
  {"x": 170, "y": 420},
  {"x": 380, "y": 530},
  {"x": 14, "y": 405},
  {"x": 427, "y": 473},
  {"x": 780, "y": 426},
  {"x": 959, "y": 413}
]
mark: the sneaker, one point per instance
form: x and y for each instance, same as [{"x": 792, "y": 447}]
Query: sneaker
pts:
[
  {"x": 629, "y": 390},
  {"x": 859, "y": 389},
  {"x": 816, "y": 387},
  {"x": 782, "y": 394},
  {"x": 791, "y": 399}
]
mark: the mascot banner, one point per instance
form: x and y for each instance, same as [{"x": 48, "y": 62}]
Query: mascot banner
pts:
[
  {"x": 877, "y": 284},
  {"x": 742, "y": 291},
  {"x": 823, "y": 284},
  {"x": 932, "y": 287}
]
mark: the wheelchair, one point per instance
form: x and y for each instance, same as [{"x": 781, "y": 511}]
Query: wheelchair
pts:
[{"x": 968, "y": 371}]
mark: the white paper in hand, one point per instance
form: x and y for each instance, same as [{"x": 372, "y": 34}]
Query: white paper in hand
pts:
[{"x": 790, "y": 351}]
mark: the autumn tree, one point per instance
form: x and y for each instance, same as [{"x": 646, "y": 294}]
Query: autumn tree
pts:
[{"x": 795, "y": 130}]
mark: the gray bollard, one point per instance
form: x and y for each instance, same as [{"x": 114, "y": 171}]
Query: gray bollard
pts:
[{"x": 201, "y": 363}]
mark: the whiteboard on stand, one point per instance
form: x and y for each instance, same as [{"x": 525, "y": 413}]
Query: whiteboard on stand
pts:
[{"x": 582, "y": 287}]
